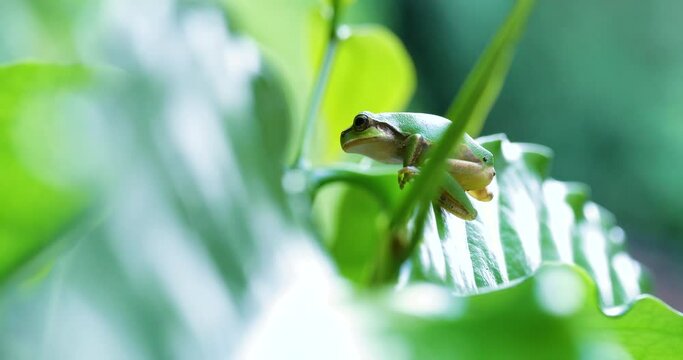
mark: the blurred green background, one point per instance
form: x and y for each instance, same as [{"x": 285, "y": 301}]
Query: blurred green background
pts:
[
  {"x": 599, "y": 82},
  {"x": 145, "y": 215}
]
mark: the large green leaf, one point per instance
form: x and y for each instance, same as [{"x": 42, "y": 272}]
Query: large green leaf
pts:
[
  {"x": 173, "y": 254},
  {"x": 532, "y": 220}
]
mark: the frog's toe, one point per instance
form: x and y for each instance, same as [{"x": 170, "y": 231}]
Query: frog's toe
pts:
[{"x": 406, "y": 174}]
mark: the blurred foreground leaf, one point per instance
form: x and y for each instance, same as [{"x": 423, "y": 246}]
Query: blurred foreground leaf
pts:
[
  {"x": 552, "y": 315},
  {"x": 34, "y": 206},
  {"x": 287, "y": 32},
  {"x": 189, "y": 185}
]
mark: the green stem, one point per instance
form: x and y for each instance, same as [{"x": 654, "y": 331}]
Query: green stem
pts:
[
  {"x": 424, "y": 186},
  {"x": 320, "y": 177},
  {"x": 470, "y": 107},
  {"x": 318, "y": 90},
  {"x": 399, "y": 247}
]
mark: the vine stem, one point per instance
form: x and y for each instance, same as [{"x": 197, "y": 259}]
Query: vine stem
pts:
[{"x": 300, "y": 161}]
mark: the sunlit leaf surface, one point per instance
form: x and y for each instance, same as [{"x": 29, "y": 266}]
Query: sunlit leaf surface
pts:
[{"x": 532, "y": 219}]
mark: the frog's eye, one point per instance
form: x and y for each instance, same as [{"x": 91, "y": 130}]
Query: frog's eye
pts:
[
  {"x": 485, "y": 159},
  {"x": 360, "y": 122}
]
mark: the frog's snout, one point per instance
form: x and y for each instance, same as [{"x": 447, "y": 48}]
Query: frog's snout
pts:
[
  {"x": 491, "y": 172},
  {"x": 343, "y": 137}
]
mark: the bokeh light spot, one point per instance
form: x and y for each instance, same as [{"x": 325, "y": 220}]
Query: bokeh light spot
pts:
[{"x": 559, "y": 291}]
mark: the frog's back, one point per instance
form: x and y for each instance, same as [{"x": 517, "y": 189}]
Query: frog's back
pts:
[{"x": 431, "y": 127}]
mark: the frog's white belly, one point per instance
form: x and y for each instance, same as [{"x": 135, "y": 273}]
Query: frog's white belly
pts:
[{"x": 380, "y": 150}]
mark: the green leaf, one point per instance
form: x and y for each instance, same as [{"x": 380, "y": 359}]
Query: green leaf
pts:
[
  {"x": 354, "y": 201},
  {"x": 362, "y": 211},
  {"x": 35, "y": 205},
  {"x": 287, "y": 33},
  {"x": 553, "y": 315},
  {"x": 188, "y": 177},
  {"x": 531, "y": 220},
  {"x": 482, "y": 86},
  {"x": 371, "y": 71}
]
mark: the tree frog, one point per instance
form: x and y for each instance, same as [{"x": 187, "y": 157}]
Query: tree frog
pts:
[{"x": 404, "y": 138}]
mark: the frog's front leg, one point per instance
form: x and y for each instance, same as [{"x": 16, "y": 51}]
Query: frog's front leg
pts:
[
  {"x": 414, "y": 148},
  {"x": 405, "y": 174}
]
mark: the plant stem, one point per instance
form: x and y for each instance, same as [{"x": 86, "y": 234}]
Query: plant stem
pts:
[
  {"x": 469, "y": 109},
  {"x": 425, "y": 187},
  {"x": 318, "y": 90}
]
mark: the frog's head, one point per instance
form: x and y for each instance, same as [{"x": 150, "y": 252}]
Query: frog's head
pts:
[
  {"x": 485, "y": 156},
  {"x": 470, "y": 150},
  {"x": 370, "y": 136}
]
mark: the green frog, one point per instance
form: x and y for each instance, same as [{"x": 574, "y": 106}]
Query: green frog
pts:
[{"x": 404, "y": 138}]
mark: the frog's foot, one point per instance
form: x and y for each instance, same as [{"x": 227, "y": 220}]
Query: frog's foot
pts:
[
  {"x": 455, "y": 207},
  {"x": 406, "y": 174},
  {"x": 481, "y": 194}
]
